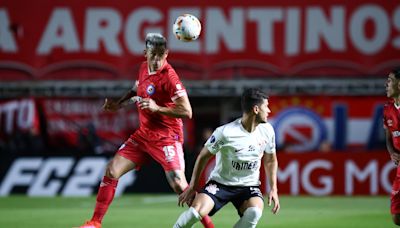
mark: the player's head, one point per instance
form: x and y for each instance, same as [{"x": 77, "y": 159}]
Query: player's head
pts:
[
  {"x": 255, "y": 102},
  {"x": 156, "y": 51},
  {"x": 393, "y": 83}
]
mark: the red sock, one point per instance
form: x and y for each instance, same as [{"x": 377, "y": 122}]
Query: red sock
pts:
[
  {"x": 207, "y": 223},
  {"x": 104, "y": 197}
]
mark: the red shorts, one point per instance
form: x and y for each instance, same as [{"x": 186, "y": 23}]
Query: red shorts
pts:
[
  {"x": 395, "y": 197},
  {"x": 168, "y": 153}
]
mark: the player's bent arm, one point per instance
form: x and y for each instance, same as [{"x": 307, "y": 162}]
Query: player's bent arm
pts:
[
  {"x": 112, "y": 105},
  {"x": 201, "y": 162},
  {"x": 389, "y": 143},
  {"x": 394, "y": 154},
  {"x": 126, "y": 97},
  {"x": 188, "y": 195},
  {"x": 181, "y": 109},
  {"x": 271, "y": 168}
]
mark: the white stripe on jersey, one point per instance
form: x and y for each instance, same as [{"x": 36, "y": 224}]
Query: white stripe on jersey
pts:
[{"x": 239, "y": 153}]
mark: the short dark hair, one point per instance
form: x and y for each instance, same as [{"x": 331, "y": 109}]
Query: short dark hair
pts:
[
  {"x": 156, "y": 41},
  {"x": 251, "y": 97},
  {"x": 396, "y": 72}
]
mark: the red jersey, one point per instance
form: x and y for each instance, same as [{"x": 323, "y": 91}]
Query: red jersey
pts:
[
  {"x": 163, "y": 86},
  {"x": 391, "y": 121}
]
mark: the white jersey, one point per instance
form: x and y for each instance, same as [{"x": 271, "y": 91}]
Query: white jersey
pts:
[{"x": 239, "y": 152}]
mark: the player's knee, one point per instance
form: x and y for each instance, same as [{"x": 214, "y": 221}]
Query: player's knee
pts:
[
  {"x": 252, "y": 215},
  {"x": 396, "y": 219},
  {"x": 177, "y": 181},
  {"x": 112, "y": 172}
]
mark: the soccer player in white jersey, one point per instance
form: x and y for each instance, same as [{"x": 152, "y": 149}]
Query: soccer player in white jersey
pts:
[{"x": 239, "y": 147}]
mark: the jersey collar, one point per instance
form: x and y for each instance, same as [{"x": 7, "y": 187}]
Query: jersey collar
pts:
[{"x": 158, "y": 71}]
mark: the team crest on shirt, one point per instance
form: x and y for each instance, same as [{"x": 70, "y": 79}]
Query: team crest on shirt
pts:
[
  {"x": 212, "y": 188},
  {"x": 150, "y": 89}
]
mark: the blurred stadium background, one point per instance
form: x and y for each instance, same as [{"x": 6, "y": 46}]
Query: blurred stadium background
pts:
[{"x": 324, "y": 63}]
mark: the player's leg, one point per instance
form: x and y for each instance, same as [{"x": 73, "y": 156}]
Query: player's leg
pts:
[
  {"x": 116, "y": 168},
  {"x": 250, "y": 206},
  {"x": 169, "y": 154},
  {"x": 396, "y": 219},
  {"x": 128, "y": 157},
  {"x": 395, "y": 200},
  {"x": 200, "y": 208}
]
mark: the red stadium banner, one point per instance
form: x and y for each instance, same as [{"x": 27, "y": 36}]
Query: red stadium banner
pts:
[
  {"x": 324, "y": 123},
  {"x": 83, "y": 123},
  {"x": 41, "y": 40},
  {"x": 315, "y": 174},
  {"x": 335, "y": 173},
  {"x": 17, "y": 117}
]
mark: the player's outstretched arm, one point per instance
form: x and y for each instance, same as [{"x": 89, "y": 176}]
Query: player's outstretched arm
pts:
[
  {"x": 114, "y": 105},
  {"x": 201, "y": 161},
  {"x": 271, "y": 168},
  {"x": 394, "y": 154}
]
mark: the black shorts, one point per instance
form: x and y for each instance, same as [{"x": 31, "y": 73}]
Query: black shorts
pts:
[{"x": 223, "y": 194}]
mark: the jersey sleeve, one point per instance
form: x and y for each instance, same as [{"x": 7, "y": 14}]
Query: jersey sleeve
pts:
[
  {"x": 270, "y": 147},
  {"x": 216, "y": 141},
  {"x": 174, "y": 86}
]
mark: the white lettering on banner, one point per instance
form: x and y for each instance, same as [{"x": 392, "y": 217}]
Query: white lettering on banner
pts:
[
  {"x": 386, "y": 183},
  {"x": 19, "y": 114},
  {"x": 319, "y": 29},
  {"x": 231, "y": 30},
  {"x": 229, "y": 27},
  {"x": 43, "y": 185},
  {"x": 265, "y": 19},
  {"x": 378, "y": 16},
  {"x": 17, "y": 175},
  {"x": 60, "y": 33},
  {"x": 326, "y": 181},
  {"x": 292, "y": 30},
  {"x": 102, "y": 24},
  {"x": 300, "y": 177},
  {"x": 39, "y": 176},
  {"x": 292, "y": 172},
  {"x": 370, "y": 171},
  {"x": 133, "y": 34},
  {"x": 86, "y": 174},
  {"x": 396, "y": 23},
  {"x": 7, "y": 41}
]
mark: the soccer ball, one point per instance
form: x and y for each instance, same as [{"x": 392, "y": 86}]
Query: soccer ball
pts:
[{"x": 187, "y": 28}]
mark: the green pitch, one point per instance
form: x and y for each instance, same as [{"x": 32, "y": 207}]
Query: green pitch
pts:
[{"x": 149, "y": 211}]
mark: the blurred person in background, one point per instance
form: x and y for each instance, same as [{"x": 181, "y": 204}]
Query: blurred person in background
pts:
[
  {"x": 162, "y": 101},
  {"x": 239, "y": 147},
  {"x": 391, "y": 123}
]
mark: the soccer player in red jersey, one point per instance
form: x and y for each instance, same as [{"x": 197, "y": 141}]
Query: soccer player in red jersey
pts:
[
  {"x": 391, "y": 122},
  {"x": 162, "y": 101}
]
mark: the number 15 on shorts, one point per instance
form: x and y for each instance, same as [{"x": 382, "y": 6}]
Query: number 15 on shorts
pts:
[{"x": 169, "y": 152}]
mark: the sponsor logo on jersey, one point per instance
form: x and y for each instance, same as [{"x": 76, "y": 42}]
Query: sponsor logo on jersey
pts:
[
  {"x": 150, "y": 89},
  {"x": 212, "y": 188},
  {"x": 252, "y": 148},
  {"x": 396, "y": 133},
  {"x": 212, "y": 139},
  {"x": 244, "y": 165}
]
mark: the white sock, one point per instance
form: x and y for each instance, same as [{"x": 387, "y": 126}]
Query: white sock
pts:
[
  {"x": 187, "y": 218},
  {"x": 250, "y": 218}
]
